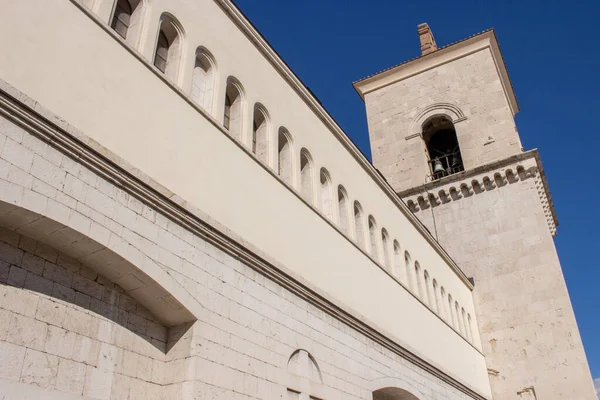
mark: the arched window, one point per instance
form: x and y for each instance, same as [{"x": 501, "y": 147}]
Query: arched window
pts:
[
  {"x": 470, "y": 326},
  {"x": 168, "y": 47},
  {"x": 427, "y": 291},
  {"x": 459, "y": 325},
  {"x": 436, "y": 298},
  {"x": 121, "y": 17},
  {"x": 306, "y": 176},
  {"x": 284, "y": 155},
  {"x": 407, "y": 263},
  {"x": 373, "y": 238},
  {"x": 127, "y": 19},
  {"x": 442, "y": 147},
  {"x": 443, "y": 304},
  {"x": 343, "y": 209},
  {"x": 326, "y": 202},
  {"x": 419, "y": 288},
  {"x": 203, "y": 80},
  {"x": 233, "y": 113},
  {"x": 162, "y": 52},
  {"x": 451, "y": 318},
  {"x": 260, "y": 133},
  {"x": 385, "y": 248},
  {"x": 358, "y": 225},
  {"x": 464, "y": 321},
  {"x": 398, "y": 262}
]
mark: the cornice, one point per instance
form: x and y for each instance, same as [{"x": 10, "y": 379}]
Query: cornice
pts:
[
  {"x": 484, "y": 178},
  {"x": 271, "y": 55},
  {"x": 54, "y": 131}
]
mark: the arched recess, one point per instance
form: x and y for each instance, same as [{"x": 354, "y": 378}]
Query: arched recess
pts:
[
  {"x": 204, "y": 79},
  {"x": 373, "y": 238},
  {"x": 409, "y": 271},
  {"x": 325, "y": 193},
  {"x": 398, "y": 262},
  {"x": 169, "y": 47},
  {"x": 359, "y": 228},
  {"x": 306, "y": 176},
  {"x": 343, "y": 209},
  {"x": 444, "y": 311},
  {"x": 389, "y": 388},
  {"x": 284, "y": 155},
  {"x": 233, "y": 112},
  {"x": 419, "y": 282},
  {"x": 385, "y": 248},
  {"x": 127, "y": 19},
  {"x": 459, "y": 325},
  {"x": 145, "y": 282},
  {"x": 260, "y": 133},
  {"x": 427, "y": 289},
  {"x": 436, "y": 297}
]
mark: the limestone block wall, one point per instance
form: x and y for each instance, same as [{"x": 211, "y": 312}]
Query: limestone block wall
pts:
[
  {"x": 495, "y": 225},
  {"x": 484, "y": 122},
  {"x": 64, "y": 327},
  {"x": 235, "y": 326}
]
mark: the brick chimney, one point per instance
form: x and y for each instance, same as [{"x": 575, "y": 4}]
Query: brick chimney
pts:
[{"x": 426, "y": 37}]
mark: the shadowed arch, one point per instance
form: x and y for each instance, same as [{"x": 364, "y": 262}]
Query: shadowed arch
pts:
[
  {"x": 69, "y": 233},
  {"x": 394, "y": 389}
]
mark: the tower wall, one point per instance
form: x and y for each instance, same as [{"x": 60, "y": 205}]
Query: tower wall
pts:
[
  {"x": 498, "y": 233},
  {"x": 495, "y": 218},
  {"x": 471, "y": 87}
]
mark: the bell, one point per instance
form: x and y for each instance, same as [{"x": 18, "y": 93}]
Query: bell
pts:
[{"x": 437, "y": 167}]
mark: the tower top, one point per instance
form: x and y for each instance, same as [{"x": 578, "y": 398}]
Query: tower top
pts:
[{"x": 426, "y": 37}]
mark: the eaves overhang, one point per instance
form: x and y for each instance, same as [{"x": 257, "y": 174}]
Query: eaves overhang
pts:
[{"x": 483, "y": 41}]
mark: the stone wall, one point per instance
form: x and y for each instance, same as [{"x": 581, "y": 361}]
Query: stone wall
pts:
[
  {"x": 495, "y": 227},
  {"x": 245, "y": 327},
  {"x": 65, "y": 327}
]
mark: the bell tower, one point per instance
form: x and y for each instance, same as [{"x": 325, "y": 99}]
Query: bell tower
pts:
[{"x": 443, "y": 134}]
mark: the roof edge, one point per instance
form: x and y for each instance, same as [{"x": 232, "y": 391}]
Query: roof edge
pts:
[{"x": 483, "y": 40}]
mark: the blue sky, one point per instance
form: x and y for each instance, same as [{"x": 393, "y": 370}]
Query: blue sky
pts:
[{"x": 551, "y": 51}]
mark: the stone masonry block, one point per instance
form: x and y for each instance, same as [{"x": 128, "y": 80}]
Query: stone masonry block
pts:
[
  {"x": 60, "y": 342},
  {"x": 40, "y": 369},
  {"x": 28, "y": 332},
  {"x": 98, "y": 383},
  {"x": 58, "y": 274},
  {"x": 38, "y": 284},
  {"x": 16, "y": 276},
  {"x": 86, "y": 350},
  {"x": 87, "y": 286},
  {"x": 70, "y": 377},
  {"x": 11, "y": 360},
  {"x": 50, "y": 311}
]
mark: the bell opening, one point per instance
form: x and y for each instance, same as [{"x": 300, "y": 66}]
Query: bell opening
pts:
[{"x": 442, "y": 147}]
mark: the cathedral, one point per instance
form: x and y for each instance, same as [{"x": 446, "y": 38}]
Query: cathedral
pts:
[{"x": 181, "y": 219}]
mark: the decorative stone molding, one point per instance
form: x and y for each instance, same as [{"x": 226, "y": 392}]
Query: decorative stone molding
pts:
[
  {"x": 448, "y": 109},
  {"x": 459, "y": 186}
]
